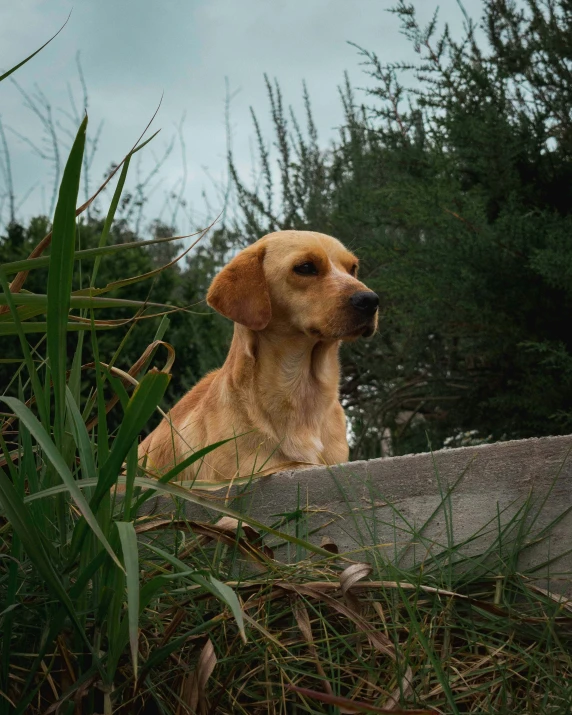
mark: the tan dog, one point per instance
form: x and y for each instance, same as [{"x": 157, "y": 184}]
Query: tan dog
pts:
[{"x": 293, "y": 296}]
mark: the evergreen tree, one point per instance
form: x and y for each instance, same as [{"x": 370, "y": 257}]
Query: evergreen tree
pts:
[{"x": 457, "y": 195}]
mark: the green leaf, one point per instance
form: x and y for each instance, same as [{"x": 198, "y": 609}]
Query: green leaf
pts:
[
  {"x": 140, "y": 407},
  {"x": 86, "y": 254},
  {"x": 128, "y": 539},
  {"x": 226, "y": 595},
  {"x": 110, "y": 216},
  {"x": 60, "y": 275},
  {"x": 32, "y": 327},
  {"x": 178, "y": 468},
  {"x": 29, "y": 57},
  {"x": 33, "y": 542},
  {"x": 81, "y": 438},
  {"x": 80, "y": 301},
  {"x": 42, "y": 438},
  {"x": 19, "y": 330}
]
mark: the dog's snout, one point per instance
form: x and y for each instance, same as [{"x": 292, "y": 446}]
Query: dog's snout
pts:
[{"x": 366, "y": 301}]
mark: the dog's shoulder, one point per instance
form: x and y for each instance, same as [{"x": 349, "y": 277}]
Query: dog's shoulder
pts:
[{"x": 193, "y": 397}]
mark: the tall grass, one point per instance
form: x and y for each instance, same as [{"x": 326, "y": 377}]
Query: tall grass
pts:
[
  {"x": 67, "y": 547},
  {"x": 105, "y": 609}
]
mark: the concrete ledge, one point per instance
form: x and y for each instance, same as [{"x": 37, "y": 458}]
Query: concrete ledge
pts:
[{"x": 494, "y": 498}]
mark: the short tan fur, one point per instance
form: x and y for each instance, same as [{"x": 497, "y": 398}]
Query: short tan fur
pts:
[{"x": 293, "y": 296}]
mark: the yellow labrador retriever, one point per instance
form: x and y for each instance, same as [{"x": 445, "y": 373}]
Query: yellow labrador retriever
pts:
[{"x": 293, "y": 296}]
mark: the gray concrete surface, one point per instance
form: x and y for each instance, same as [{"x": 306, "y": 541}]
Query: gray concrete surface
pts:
[{"x": 490, "y": 499}]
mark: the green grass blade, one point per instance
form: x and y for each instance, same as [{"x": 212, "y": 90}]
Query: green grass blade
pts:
[
  {"x": 29, "y": 57},
  {"x": 128, "y": 539},
  {"x": 33, "y": 543},
  {"x": 178, "y": 468},
  {"x": 116, "y": 285},
  {"x": 140, "y": 407},
  {"x": 218, "y": 589},
  {"x": 60, "y": 275},
  {"x": 42, "y": 438},
  {"x": 85, "y": 254},
  {"x": 12, "y": 579},
  {"x": 102, "y": 431},
  {"x": 147, "y": 593},
  {"x": 110, "y": 216},
  {"x": 225, "y": 594},
  {"x": 40, "y": 300},
  {"x": 130, "y": 474},
  {"x": 174, "y": 490},
  {"x": 35, "y": 327},
  {"x": 57, "y": 622},
  {"x": 19, "y": 330},
  {"x": 29, "y": 470},
  {"x": 161, "y": 654},
  {"x": 81, "y": 438},
  {"x": 429, "y": 650},
  {"x": 34, "y": 305}
]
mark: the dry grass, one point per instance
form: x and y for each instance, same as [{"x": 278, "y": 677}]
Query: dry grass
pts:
[{"x": 324, "y": 636}]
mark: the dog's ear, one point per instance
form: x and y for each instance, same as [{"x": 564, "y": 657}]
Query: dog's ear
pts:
[{"x": 240, "y": 292}]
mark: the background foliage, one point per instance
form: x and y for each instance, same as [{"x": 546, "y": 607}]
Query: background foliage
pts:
[
  {"x": 456, "y": 193},
  {"x": 452, "y": 182}
]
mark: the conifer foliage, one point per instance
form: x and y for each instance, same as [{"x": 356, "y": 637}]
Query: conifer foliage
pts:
[{"x": 453, "y": 182}]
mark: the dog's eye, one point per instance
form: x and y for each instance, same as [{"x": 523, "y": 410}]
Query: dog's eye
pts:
[
  {"x": 306, "y": 269},
  {"x": 353, "y": 270}
]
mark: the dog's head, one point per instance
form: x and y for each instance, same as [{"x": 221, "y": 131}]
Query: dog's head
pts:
[{"x": 296, "y": 281}]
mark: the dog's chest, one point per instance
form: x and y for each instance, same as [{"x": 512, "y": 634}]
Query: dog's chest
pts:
[
  {"x": 298, "y": 415},
  {"x": 303, "y": 447},
  {"x": 300, "y": 430}
]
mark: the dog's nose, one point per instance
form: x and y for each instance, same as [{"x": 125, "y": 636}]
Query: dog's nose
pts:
[{"x": 366, "y": 301}]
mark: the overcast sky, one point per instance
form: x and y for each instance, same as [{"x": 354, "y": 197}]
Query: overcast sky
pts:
[{"x": 132, "y": 51}]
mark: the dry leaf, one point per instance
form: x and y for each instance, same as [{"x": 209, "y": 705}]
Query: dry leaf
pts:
[
  {"x": 230, "y": 524},
  {"x": 303, "y": 621},
  {"x": 329, "y": 545},
  {"x": 378, "y": 640},
  {"x": 194, "y": 691},
  {"x": 406, "y": 688},
  {"x": 352, "y": 574},
  {"x": 224, "y": 532},
  {"x": 352, "y": 706}
]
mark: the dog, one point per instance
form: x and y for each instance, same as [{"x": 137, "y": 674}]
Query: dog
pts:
[{"x": 294, "y": 296}]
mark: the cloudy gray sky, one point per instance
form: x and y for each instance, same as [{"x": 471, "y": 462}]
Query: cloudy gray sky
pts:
[{"x": 132, "y": 51}]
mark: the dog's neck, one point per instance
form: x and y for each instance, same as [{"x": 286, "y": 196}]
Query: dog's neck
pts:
[
  {"x": 285, "y": 387},
  {"x": 285, "y": 368}
]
